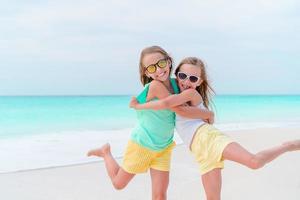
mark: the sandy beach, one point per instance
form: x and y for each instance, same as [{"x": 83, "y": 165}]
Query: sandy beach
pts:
[{"x": 276, "y": 181}]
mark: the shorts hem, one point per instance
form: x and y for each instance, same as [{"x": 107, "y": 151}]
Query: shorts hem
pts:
[
  {"x": 159, "y": 169},
  {"x": 223, "y": 148},
  {"x": 210, "y": 169},
  {"x": 133, "y": 171}
]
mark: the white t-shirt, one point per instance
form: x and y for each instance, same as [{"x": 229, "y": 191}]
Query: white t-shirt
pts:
[{"x": 187, "y": 127}]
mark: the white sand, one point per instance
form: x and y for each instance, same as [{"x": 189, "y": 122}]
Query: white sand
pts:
[{"x": 276, "y": 181}]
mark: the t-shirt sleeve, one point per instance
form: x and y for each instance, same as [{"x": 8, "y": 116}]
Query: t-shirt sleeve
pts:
[
  {"x": 175, "y": 85},
  {"x": 142, "y": 97}
]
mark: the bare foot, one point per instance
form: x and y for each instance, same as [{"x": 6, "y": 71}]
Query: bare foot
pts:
[
  {"x": 293, "y": 145},
  {"x": 100, "y": 152}
]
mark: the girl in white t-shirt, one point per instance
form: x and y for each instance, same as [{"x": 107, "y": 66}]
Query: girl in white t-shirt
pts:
[{"x": 208, "y": 144}]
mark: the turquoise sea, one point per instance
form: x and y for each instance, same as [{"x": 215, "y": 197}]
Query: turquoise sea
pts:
[
  {"x": 22, "y": 116},
  {"x": 45, "y": 131}
]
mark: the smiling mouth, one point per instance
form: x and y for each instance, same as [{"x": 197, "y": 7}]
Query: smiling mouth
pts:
[
  {"x": 185, "y": 87},
  {"x": 161, "y": 74}
]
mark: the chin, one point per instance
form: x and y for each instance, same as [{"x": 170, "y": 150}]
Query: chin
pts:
[
  {"x": 182, "y": 88},
  {"x": 164, "y": 78}
]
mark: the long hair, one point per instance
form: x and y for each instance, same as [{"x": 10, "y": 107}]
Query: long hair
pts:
[
  {"x": 204, "y": 89},
  {"x": 149, "y": 50}
]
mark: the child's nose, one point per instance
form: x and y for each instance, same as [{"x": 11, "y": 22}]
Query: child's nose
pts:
[
  {"x": 159, "y": 70},
  {"x": 187, "y": 82}
]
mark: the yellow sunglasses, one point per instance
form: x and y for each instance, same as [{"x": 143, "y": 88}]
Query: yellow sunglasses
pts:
[{"x": 161, "y": 64}]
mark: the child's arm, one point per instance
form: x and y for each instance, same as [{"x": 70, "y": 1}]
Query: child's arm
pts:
[
  {"x": 185, "y": 111},
  {"x": 158, "y": 90},
  {"x": 170, "y": 101},
  {"x": 195, "y": 113}
]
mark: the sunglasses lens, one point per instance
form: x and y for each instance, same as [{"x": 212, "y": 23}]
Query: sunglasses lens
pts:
[
  {"x": 162, "y": 63},
  {"x": 151, "y": 69},
  {"x": 182, "y": 76},
  {"x": 193, "y": 79}
]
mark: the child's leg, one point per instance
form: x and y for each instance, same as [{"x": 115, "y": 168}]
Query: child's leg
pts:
[
  {"x": 212, "y": 183},
  {"x": 237, "y": 153},
  {"x": 160, "y": 183},
  {"x": 159, "y": 170},
  {"x": 118, "y": 176}
]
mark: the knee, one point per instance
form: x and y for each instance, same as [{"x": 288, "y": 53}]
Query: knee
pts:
[
  {"x": 255, "y": 163},
  {"x": 118, "y": 186},
  {"x": 160, "y": 197}
]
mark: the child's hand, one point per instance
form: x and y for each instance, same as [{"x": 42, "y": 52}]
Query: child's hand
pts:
[
  {"x": 211, "y": 118},
  {"x": 133, "y": 102}
]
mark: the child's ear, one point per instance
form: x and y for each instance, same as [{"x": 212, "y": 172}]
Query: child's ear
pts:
[
  {"x": 147, "y": 74},
  {"x": 169, "y": 62}
]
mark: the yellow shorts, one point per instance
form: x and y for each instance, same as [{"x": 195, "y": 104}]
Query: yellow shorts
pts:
[
  {"x": 138, "y": 159},
  {"x": 208, "y": 146}
]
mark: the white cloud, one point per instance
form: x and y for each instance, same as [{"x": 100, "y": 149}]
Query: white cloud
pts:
[{"x": 111, "y": 33}]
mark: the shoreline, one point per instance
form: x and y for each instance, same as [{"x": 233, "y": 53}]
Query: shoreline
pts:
[
  {"x": 278, "y": 180},
  {"x": 69, "y": 149}
]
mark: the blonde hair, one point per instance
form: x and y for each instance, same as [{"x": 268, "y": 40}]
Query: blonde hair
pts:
[
  {"x": 204, "y": 89},
  {"x": 149, "y": 50}
]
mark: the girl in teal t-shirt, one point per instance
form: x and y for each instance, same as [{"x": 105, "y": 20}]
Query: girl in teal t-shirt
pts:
[{"x": 151, "y": 141}]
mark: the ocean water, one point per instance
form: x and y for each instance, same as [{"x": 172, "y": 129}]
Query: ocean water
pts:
[
  {"x": 23, "y": 116},
  {"x": 38, "y": 132}
]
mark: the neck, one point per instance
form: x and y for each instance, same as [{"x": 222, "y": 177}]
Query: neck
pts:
[{"x": 168, "y": 85}]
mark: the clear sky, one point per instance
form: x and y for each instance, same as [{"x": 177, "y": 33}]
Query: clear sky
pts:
[{"x": 91, "y": 47}]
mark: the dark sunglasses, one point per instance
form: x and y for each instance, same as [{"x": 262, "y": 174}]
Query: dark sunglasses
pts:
[
  {"x": 183, "y": 76},
  {"x": 161, "y": 64}
]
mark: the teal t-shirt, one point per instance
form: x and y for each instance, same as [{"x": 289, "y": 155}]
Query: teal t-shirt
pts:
[{"x": 155, "y": 128}]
